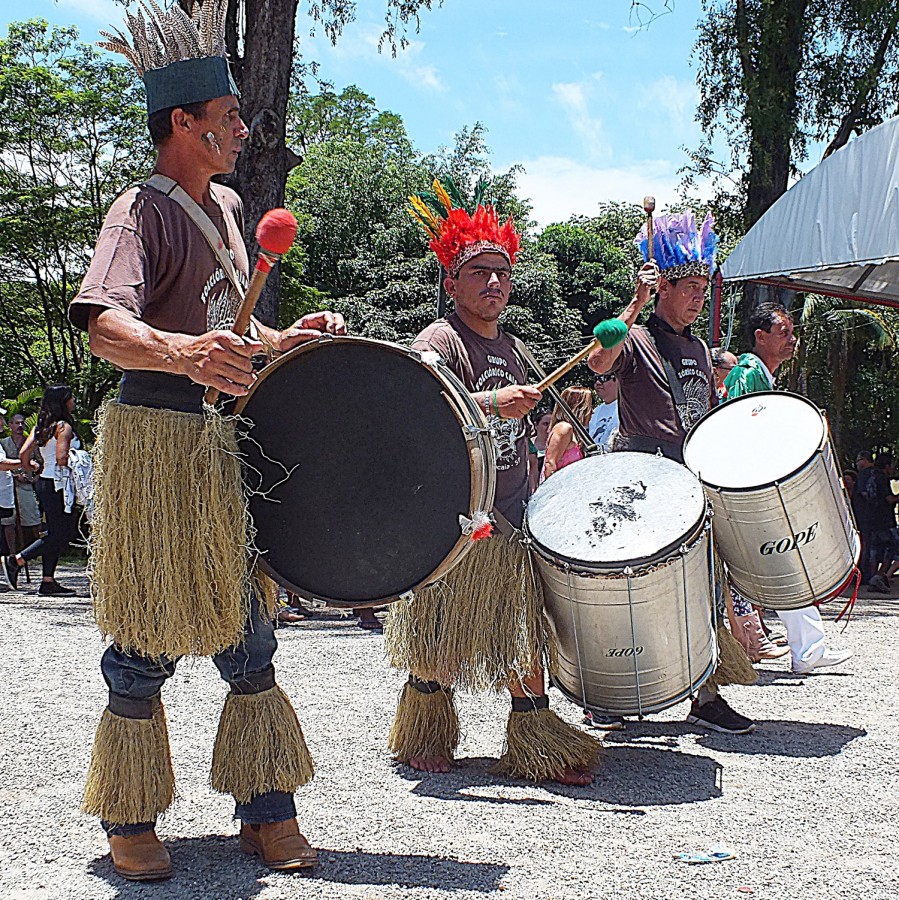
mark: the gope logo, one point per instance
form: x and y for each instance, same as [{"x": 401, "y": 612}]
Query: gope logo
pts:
[{"x": 785, "y": 545}]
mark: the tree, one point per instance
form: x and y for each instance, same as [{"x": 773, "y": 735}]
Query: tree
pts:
[
  {"x": 72, "y": 137},
  {"x": 845, "y": 364},
  {"x": 262, "y": 46},
  {"x": 597, "y": 259},
  {"x": 360, "y": 252},
  {"x": 778, "y": 74}
]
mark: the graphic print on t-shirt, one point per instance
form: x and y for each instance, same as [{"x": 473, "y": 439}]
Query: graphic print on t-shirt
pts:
[
  {"x": 695, "y": 383},
  {"x": 220, "y": 299},
  {"x": 506, "y": 432}
]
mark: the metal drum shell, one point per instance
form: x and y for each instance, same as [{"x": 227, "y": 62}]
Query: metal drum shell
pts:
[
  {"x": 631, "y": 639},
  {"x": 750, "y": 525},
  {"x": 598, "y": 617},
  {"x": 478, "y": 439},
  {"x": 765, "y": 528}
]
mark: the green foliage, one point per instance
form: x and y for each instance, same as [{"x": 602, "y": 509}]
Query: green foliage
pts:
[
  {"x": 777, "y": 75},
  {"x": 72, "y": 136},
  {"x": 362, "y": 253},
  {"x": 596, "y": 260}
]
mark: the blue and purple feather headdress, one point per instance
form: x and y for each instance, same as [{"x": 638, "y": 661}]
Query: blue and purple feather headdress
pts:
[{"x": 681, "y": 249}]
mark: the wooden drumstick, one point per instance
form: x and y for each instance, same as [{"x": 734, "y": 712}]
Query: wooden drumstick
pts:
[
  {"x": 649, "y": 207},
  {"x": 608, "y": 333},
  {"x": 275, "y": 234}
]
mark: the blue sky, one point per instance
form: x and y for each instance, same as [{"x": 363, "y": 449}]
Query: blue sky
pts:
[{"x": 593, "y": 107}]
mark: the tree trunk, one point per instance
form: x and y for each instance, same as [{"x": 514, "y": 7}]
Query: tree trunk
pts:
[
  {"x": 771, "y": 85},
  {"x": 264, "y": 73},
  {"x": 770, "y": 44}
]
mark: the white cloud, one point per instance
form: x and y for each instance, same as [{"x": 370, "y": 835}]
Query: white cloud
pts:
[
  {"x": 363, "y": 44},
  {"x": 575, "y": 99},
  {"x": 559, "y": 187},
  {"x": 676, "y": 98}
]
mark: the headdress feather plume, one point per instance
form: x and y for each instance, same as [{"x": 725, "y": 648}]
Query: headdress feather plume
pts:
[
  {"x": 681, "y": 248},
  {"x": 160, "y": 37},
  {"x": 458, "y": 229}
]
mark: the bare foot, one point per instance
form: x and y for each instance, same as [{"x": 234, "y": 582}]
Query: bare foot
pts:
[
  {"x": 431, "y": 763},
  {"x": 574, "y": 777}
]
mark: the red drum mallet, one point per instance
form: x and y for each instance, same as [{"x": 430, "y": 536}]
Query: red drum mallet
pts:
[{"x": 275, "y": 234}]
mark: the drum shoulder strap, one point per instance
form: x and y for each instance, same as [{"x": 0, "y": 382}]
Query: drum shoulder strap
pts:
[
  {"x": 583, "y": 436},
  {"x": 196, "y": 214},
  {"x": 677, "y": 389}
]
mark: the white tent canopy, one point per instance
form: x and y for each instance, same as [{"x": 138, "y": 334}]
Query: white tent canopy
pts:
[{"x": 836, "y": 231}]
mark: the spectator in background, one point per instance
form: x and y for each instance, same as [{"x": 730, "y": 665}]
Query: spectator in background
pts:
[
  {"x": 53, "y": 435},
  {"x": 604, "y": 421},
  {"x": 722, "y": 362},
  {"x": 26, "y": 517},
  {"x": 864, "y": 466},
  {"x": 7, "y": 489},
  {"x": 537, "y": 447},
  {"x": 562, "y": 447},
  {"x": 881, "y": 520}
]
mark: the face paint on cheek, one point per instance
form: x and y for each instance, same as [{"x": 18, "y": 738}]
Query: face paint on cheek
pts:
[{"x": 210, "y": 139}]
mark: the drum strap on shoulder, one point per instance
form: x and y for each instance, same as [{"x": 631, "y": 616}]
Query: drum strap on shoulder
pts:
[
  {"x": 677, "y": 389},
  {"x": 196, "y": 214},
  {"x": 583, "y": 435}
]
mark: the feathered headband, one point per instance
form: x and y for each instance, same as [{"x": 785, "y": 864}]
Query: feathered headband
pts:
[
  {"x": 181, "y": 60},
  {"x": 681, "y": 249},
  {"x": 459, "y": 231}
]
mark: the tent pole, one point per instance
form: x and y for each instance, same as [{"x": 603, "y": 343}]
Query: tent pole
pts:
[{"x": 715, "y": 312}]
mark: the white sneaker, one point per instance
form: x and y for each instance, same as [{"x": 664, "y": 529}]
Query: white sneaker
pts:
[{"x": 828, "y": 658}]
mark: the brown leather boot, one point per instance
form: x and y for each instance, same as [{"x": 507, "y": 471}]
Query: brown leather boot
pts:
[
  {"x": 140, "y": 857},
  {"x": 757, "y": 646},
  {"x": 278, "y": 844}
]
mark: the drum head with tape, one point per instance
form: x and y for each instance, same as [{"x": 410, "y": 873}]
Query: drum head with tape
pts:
[
  {"x": 361, "y": 469},
  {"x": 755, "y": 440},
  {"x": 616, "y": 510}
]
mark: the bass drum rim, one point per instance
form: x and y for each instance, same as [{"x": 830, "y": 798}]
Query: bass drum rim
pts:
[
  {"x": 768, "y": 484},
  {"x": 480, "y": 451}
]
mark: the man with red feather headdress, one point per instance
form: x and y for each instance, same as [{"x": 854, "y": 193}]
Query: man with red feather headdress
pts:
[{"x": 483, "y": 627}]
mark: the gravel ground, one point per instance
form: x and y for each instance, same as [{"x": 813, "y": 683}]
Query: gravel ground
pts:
[{"x": 808, "y": 802}]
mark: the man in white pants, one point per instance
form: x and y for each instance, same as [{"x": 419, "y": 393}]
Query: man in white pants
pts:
[{"x": 773, "y": 343}]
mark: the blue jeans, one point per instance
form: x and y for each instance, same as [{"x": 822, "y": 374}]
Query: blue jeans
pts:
[{"x": 139, "y": 677}]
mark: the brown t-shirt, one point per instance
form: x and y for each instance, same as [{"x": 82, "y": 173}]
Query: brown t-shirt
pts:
[
  {"x": 646, "y": 407},
  {"x": 482, "y": 365},
  {"x": 153, "y": 262}
]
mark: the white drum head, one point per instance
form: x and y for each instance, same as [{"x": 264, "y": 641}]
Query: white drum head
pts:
[
  {"x": 616, "y": 508},
  {"x": 755, "y": 440}
]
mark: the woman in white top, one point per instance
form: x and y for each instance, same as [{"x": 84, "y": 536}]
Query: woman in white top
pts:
[
  {"x": 53, "y": 435},
  {"x": 7, "y": 486}
]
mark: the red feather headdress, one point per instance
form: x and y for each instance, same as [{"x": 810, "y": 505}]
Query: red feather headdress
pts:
[{"x": 458, "y": 235}]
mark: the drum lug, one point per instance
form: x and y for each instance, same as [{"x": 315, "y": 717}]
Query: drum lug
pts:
[
  {"x": 473, "y": 432},
  {"x": 324, "y": 338}
]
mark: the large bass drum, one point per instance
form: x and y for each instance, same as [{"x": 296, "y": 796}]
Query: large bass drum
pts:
[
  {"x": 365, "y": 462},
  {"x": 782, "y": 521},
  {"x": 622, "y": 546}
]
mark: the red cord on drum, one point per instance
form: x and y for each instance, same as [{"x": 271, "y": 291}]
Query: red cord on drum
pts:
[{"x": 856, "y": 577}]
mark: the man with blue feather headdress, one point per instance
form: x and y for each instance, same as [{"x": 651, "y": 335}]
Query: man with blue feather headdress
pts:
[{"x": 665, "y": 385}]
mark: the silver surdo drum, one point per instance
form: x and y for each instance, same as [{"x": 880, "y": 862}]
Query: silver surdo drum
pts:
[
  {"x": 782, "y": 521},
  {"x": 622, "y": 546}
]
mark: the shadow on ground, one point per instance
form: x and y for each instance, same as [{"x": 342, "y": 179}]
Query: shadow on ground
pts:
[
  {"x": 627, "y": 776},
  {"x": 776, "y": 737},
  {"x": 213, "y": 866},
  {"x": 772, "y": 737}
]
